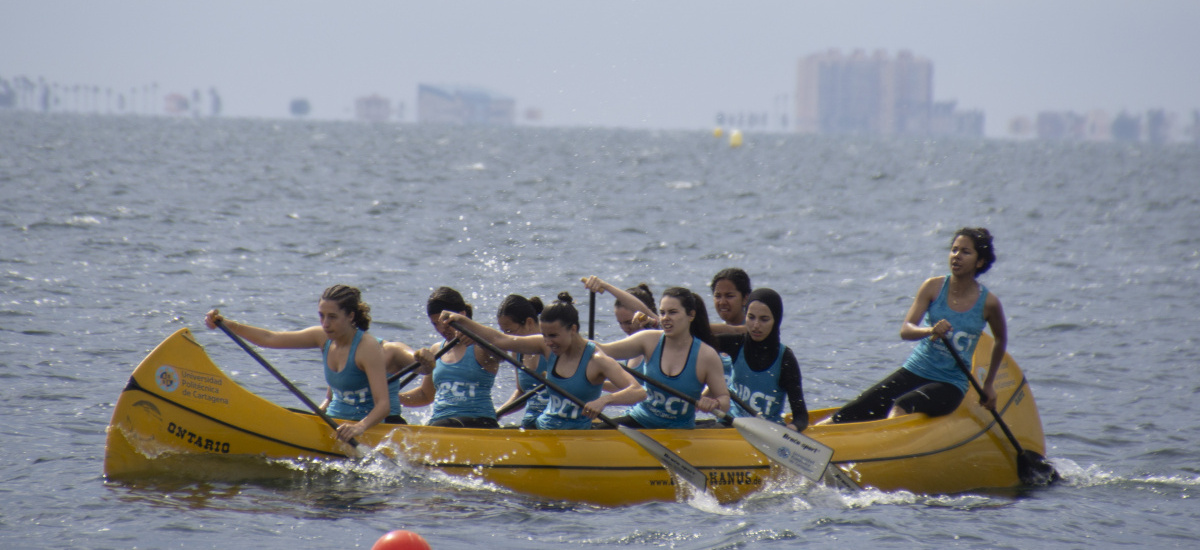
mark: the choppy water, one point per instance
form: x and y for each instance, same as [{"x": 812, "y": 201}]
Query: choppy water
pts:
[{"x": 114, "y": 232}]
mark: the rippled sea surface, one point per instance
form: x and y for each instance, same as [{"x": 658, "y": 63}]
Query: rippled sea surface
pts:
[{"x": 115, "y": 232}]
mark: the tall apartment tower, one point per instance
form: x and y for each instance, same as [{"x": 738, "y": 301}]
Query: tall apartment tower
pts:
[{"x": 861, "y": 94}]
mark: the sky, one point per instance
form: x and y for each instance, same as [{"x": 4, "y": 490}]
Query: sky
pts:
[{"x": 671, "y": 64}]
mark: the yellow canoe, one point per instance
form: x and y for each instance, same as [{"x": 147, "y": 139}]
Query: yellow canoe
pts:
[{"x": 179, "y": 410}]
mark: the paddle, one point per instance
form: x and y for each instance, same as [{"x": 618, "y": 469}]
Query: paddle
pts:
[
  {"x": 798, "y": 452},
  {"x": 1032, "y": 468},
  {"x": 673, "y": 462},
  {"x": 519, "y": 402},
  {"x": 592, "y": 316},
  {"x": 292, "y": 387},
  {"x": 417, "y": 364}
]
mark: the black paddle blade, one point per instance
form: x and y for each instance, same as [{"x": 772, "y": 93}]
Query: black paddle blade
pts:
[{"x": 1034, "y": 470}]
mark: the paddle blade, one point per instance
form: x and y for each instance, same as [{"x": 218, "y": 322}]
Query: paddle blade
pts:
[
  {"x": 673, "y": 462},
  {"x": 798, "y": 452},
  {"x": 1034, "y": 470}
]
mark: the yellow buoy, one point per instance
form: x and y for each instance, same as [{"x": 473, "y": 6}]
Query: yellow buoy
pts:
[
  {"x": 735, "y": 138},
  {"x": 718, "y": 132}
]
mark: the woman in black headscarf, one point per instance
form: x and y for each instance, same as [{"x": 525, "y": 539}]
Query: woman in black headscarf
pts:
[{"x": 764, "y": 370}]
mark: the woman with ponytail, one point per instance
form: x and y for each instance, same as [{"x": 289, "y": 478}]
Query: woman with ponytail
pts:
[
  {"x": 355, "y": 364},
  {"x": 459, "y": 383}
]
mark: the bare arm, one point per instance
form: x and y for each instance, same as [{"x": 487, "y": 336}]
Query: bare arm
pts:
[
  {"x": 311, "y": 337},
  {"x": 631, "y": 346},
  {"x": 595, "y": 284},
  {"x": 993, "y": 313},
  {"x": 711, "y": 372},
  {"x": 606, "y": 368},
  {"x": 419, "y": 396},
  {"x": 912, "y": 329},
  {"x": 369, "y": 358},
  {"x": 521, "y": 344}
]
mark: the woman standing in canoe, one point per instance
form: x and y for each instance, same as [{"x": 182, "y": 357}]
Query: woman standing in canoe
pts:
[
  {"x": 765, "y": 371},
  {"x": 680, "y": 355},
  {"x": 354, "y": 360},
  {"x": 518, "y": 316},
  {"x": 570, "y": 361},
  {"x": 955, "y": 306},
  {"x": 460, "y": 384}
]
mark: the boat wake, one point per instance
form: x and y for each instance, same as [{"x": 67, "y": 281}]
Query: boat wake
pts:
[{"x": 1075, "y": 475}]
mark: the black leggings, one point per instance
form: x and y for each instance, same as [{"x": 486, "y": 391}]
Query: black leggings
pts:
[
  {"x": 466, "y": 422},
  {"x": 906, "y": 391}
]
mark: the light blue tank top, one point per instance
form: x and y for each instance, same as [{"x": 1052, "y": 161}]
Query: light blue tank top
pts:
[
  {"x": 760, "y": 390},
  {"x": 537, "y": 403},
  {"x": 930, "y": 359},
  {"x": 727, "y": 364},
  {"x": 351, "y": 391},
  {"x": 562, "y": 413},
  {"x": 464, "y": 389},
  {"x": 661, "y": 409}
]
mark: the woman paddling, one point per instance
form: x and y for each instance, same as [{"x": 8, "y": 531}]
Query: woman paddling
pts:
[
  {"x": 570, "y": 361},
  {"x": 764, "y": 370},
  {"x": 958, "y": 307},
  {"x": 354, "y": 360},
  {"x": 518, "y": 316},
  {"x": 680, "y": 355},
  {"x": 460, "y": 384}
]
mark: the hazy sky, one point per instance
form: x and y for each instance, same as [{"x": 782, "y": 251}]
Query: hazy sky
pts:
[{"x": 650, "y": 64}]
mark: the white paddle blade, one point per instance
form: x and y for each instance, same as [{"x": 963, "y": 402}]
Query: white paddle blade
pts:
[
  {"x": 798, "y": 452},
  {"x": 673, "y": 462}
]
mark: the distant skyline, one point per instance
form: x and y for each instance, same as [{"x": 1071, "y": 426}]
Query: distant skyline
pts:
[{"x": 667, "y": 64}]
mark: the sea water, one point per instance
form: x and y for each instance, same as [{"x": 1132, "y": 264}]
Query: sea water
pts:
[{"x": 117, "y": 231}]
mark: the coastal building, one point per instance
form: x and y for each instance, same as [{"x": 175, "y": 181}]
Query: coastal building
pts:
[
  {"x": 373, "y": 108},
  {"x": 875, "y": 95},
  {"x": 463, "y": 105}
]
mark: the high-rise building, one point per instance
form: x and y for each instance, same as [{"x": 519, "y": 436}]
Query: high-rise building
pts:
[{"x": 875, "y": 95}]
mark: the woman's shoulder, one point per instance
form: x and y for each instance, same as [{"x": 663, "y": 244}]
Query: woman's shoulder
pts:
[{"x": 932, "y": 286}]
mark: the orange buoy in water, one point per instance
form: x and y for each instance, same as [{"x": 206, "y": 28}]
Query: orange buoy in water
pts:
[{"x": 401, "y": 540}]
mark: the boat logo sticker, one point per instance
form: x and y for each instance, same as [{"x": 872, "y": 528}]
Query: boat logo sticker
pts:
[
  {"x": 166, "y": 378},
  {"x": 784, "y": 452}
]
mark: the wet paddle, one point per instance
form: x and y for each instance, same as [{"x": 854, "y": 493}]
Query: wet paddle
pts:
[
  {"x": 1032, "y": 468},
  {"x": 363, "y": 449},
  {"x": 794, "y": 450},
  {"x": 673, "y": 462}
]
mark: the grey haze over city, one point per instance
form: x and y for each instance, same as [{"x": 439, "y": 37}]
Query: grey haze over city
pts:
[{"x": 663, "y": 64}]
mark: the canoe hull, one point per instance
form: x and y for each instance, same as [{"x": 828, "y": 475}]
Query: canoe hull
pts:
[{"x": 179, "y": 411}]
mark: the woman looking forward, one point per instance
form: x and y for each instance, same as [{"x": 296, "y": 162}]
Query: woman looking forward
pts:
[
  {"x": 765, "y": 372},
  {"x": 955, "y": 306}
]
